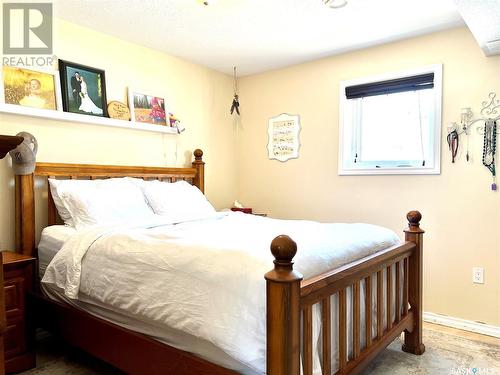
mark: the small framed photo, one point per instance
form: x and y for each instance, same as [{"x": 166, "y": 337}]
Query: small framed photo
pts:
[
  {"x": 148, "y": 109},
  {"x": 83, "y": 89},
  {"x": 30, "y": 88}
]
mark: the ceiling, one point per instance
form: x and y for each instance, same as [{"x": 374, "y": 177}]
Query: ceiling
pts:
[
  {"x": 259, "y": 35},
  {"x": 483, "y": 19}
]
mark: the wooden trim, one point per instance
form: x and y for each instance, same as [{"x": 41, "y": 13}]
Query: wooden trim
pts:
[
  {"x": 25, "y": 214},
  {"x": 342, "y": 329},
  {"x": 413, "y": 338},
  {"x": 308, "y": 337},
  {"x": 380, "y": 296},
  {"x": 199, "y": 165},
  {"x": 398, "y": 292},
  {"x": 3, "y": 320},
  {"x": 314, "y": 289},
  {"x": 389, "y": 298},
  {"x": 327, "y": 336},
  {"x": 368, "y": 309},
  {"x": 356, "y": 320},
  {"x": 25, "y": 195},
  {"x": 8, "y": 143},
  {"x": 75, "y": 171},
  {"x": 132, "y": 352},
  {"x": 356, "y": 366},
  {"x": 283, "y": 312},
  {"x": 284, "y": 329}
]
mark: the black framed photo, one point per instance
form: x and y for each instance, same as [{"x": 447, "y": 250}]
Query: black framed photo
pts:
[{"x": 83, "y": 89}]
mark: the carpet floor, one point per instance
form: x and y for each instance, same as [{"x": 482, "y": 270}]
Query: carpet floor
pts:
[{"x": 447, "y": 353}]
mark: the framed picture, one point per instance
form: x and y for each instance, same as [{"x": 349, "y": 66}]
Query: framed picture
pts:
[
  {"x": 83, "y": 89},
  {"x": 148, "y": 109},
  {"x": 30, "y": 88},
  {"x": 283, "y": 131}
]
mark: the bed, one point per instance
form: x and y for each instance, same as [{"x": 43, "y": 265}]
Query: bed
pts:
[{"x": 335, "y": 320}]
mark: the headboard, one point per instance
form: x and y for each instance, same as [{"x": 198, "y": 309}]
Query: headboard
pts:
[{"x": 25, "y": 194}]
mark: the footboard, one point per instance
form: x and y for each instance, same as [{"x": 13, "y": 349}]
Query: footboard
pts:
[{"x": 394, "y": 273}]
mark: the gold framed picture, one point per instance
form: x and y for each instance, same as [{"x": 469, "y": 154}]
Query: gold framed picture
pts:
[{"x": 30, "y": 88}]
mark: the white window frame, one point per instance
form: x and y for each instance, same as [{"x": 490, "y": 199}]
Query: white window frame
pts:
[{"x": 346, "y": 165}]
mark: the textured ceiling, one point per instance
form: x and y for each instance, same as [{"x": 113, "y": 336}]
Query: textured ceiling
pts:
[
  {"x": 259, "y": 35},
  {"x": 483, "y": 19}
]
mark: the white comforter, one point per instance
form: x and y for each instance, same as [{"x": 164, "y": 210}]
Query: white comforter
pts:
[{"x": 203, "y": 277}]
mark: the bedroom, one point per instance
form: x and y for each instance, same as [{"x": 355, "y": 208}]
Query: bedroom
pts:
[{"x": 291, "y": 57}]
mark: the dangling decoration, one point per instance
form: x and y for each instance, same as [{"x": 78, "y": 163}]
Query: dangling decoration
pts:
[
  {"x": 466, "y": 117},
  {"x": 453, "y": 144},
  {"x": 489, "y": 149},
  {"x": 235, "y": 106}
]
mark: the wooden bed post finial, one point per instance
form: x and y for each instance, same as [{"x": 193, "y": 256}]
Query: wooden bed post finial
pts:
[
  {"x": 413, "y": 340},
  {"x": 199, "y": 165},
  {"x": 283, "y": 310}
]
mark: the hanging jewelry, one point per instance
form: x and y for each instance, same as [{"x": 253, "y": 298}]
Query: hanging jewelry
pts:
[
  {"x": 489, "y": 149},
  {"x": 235, "y": 106},
  {"x": 466, "y": 117},
  {"x": 453, "y": 144}
]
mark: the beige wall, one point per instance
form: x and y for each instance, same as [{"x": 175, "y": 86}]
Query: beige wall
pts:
[
  {"x": 200, "y": 97},
  {"x": 461, "y": 214}
]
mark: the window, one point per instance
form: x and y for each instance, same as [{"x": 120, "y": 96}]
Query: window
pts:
[{"x": 391, "y": 124}]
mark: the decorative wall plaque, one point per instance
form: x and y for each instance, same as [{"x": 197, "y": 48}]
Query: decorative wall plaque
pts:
[
  {"x": 283, "y": 131},
  {"x": 118, "y": 110}
]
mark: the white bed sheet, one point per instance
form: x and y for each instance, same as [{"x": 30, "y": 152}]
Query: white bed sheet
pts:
[
  {"x": 224, "y": 305},
  {"x": 51, "y": 241}
]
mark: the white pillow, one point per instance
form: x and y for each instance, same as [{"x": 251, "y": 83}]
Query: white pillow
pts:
[
  {"x": 179, "y": 200},
  {"x": 102, "y": 201},
  {"x": 63, "y": 212}
]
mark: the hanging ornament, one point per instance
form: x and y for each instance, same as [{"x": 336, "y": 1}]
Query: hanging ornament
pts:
[
  {"x": 489, "y": 149},
  {"x": 235, "y": 106},
  {"x": 453, "y": 144},
  {"x": 466, "y": 118}
]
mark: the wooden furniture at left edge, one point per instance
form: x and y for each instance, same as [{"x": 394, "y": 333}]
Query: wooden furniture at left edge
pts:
[
  {"x": 19, "y": 272},
  {"x": 289, "y": 297},
  {"x": 7, "y": 143}
]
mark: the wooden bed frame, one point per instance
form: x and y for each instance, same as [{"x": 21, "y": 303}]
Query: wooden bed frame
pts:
[{"x": 289, "y": 297}]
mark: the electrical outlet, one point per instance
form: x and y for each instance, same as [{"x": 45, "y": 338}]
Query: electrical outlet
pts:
[{"x": 478, "y": 275}]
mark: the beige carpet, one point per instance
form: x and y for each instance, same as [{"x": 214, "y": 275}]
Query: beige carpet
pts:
[{"x": 448, "y": 353}]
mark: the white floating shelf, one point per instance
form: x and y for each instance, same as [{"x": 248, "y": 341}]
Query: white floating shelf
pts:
[{"x": 84, "y": 119}]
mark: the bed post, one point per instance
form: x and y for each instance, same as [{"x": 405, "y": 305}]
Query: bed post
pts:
[
  {"x": 283, "y": 310},
  {"x": 413, "y": 340},
  {"x": 25, "y": 214},
  {"x": 199, "y": 164}
]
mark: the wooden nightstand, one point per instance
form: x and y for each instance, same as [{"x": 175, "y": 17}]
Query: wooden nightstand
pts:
[{"x": 18, "y": 280}]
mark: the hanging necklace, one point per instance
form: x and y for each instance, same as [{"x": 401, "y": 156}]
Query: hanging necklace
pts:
[
  {"x": 453, "y": 144},
  {"x": 489, "y": 149},
  {"x": 235, "y": 106}
]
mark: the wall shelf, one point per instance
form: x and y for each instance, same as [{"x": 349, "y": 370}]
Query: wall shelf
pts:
[{"x": 83, "y": 119}]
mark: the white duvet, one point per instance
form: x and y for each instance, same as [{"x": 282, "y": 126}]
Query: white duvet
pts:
[{"x": 203, "y": 277}]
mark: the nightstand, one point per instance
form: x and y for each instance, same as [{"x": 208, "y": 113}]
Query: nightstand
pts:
[{"x": 18, "y": 280}]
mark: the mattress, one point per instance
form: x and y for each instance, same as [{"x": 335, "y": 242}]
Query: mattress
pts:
[{"x": 174, "y": 311}]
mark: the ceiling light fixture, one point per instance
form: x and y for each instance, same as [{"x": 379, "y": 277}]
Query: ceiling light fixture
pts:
[{"x": 335, "y": 4}]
